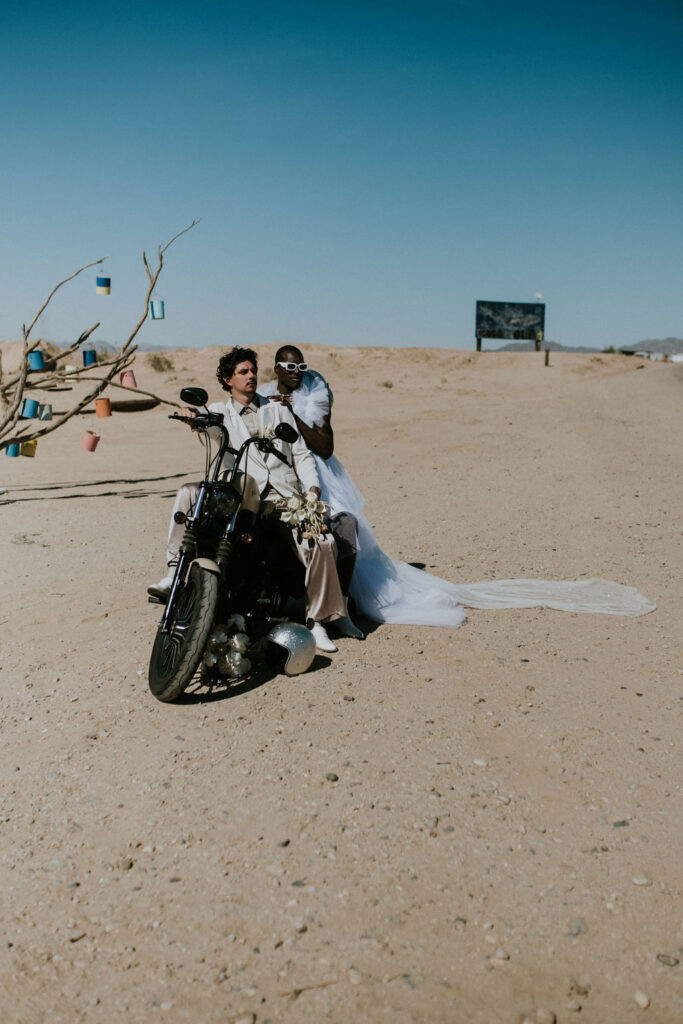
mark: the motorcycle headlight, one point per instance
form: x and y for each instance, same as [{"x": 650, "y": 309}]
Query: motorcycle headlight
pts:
[{"x": 223, "y": 500}]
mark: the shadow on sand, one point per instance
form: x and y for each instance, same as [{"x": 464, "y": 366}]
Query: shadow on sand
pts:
[
  {"x": 201, "y": 692},
  {"x": 39, "y": 493}
]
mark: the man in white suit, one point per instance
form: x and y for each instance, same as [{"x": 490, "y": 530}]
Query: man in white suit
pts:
[{"x": 247, "y": 414}]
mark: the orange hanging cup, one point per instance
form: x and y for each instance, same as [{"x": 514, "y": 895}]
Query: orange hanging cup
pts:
[
  {"x": 102, "y": 408},
  {"x": 90, "y": 441},
  {"x": 128, "y": 380}
]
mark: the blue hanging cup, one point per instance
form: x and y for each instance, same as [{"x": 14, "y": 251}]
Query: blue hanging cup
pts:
[
  {"x": 29, "y": 410},
  {"x": 36, "y": 361},
  {"x": 89, "y": 356},
  {"x": 156, "y": 309},
  {"x": 12, "y": 450},
  {"x": 103, "y": 286}
]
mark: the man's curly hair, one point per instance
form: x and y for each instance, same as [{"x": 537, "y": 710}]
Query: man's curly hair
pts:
[{"x": 228, "y": 363}]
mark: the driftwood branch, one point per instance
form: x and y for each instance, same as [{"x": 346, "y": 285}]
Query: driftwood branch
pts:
[
  {"x": 141, "y": 391},
  {"x": 56, "y": 288},
  {"x": 11, "y": 382},
  {"x": 162, "y": 249},
  {"x": 13, "y": 389}
]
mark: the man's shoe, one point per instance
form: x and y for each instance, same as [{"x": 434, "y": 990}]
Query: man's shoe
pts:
[
  {"x": 345, "y": 627},
  {"x": 162, "y": 589},
  {"x": 322, "y": 640}
]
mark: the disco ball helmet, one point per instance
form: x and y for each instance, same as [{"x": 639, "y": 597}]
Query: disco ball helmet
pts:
[{"x": 290, "y": 648}]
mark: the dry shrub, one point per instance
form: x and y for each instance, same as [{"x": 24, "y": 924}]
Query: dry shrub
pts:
[{"x": 159, "y": 362}]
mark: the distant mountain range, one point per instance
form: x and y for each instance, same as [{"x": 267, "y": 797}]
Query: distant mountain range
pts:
[
  {"x": 673, "y": 346},
  {"x": 107, "y": 347},
  {"x": 554, "y": 346}
]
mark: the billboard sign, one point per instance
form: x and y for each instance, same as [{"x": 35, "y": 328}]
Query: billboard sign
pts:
[{"x": 519, "y": 320}]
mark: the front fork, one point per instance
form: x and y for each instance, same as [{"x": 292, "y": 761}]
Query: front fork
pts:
[
  {"x": 188, "y": 552},
  {"x": 183, "y": 558}
]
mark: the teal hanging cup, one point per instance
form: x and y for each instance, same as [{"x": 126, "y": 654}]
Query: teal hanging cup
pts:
[
  {"x": 45, "y": 412},
  {"x": 156, "y": 309},
  {"x": 12, "y": 450},
  {"x": 36, "y": 361},
  {"x": 29, "y": 410}
]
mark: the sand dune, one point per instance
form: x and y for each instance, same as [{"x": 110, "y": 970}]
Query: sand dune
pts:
[{"x": 503, "y": 835}]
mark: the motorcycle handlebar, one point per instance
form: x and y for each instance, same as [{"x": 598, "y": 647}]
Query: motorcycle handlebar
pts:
[
  {"x": 204, "y": 420},
  {"x": 272, "y": 450},
  {"x": 201, "y": 421}
]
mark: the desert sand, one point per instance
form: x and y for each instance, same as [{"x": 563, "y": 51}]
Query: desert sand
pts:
[{"x": 476, "y": 825}]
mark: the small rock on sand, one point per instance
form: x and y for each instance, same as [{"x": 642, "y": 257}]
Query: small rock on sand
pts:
[{"x": 641, "y": 999}]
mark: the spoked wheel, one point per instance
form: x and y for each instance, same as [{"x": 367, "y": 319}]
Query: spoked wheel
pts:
[{"x": 176, "y": 653}]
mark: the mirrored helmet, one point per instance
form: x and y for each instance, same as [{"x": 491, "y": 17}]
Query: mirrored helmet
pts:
[{"x": 290, "y": 648}]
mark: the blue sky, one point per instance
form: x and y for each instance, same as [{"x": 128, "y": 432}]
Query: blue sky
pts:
[{"x": 364, "y": 171}]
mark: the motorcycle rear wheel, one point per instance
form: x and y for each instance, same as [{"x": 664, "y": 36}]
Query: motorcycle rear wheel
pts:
[{"x": 177, "y": 652}]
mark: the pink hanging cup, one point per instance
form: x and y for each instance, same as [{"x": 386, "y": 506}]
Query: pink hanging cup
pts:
[
  {"x": 90, "y": 441},
  {"x": 128, "y": 380}
]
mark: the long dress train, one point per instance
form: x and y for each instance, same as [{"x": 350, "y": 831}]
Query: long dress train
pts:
[{"x": 387, "y": 590}]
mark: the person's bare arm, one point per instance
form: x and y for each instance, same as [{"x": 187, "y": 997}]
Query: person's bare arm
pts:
[{"x": 320, "y": 440}]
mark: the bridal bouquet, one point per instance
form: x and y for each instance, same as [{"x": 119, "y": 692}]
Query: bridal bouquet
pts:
[{"x": 305, "y": 513}]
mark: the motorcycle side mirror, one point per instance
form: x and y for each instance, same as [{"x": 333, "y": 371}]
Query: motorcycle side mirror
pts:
[
  {"x": 286, "y": 432},
  {"x": 194, "y": 396}
]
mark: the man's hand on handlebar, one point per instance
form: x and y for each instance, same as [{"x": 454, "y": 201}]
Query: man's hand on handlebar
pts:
[{"x": 203, "y": 420}]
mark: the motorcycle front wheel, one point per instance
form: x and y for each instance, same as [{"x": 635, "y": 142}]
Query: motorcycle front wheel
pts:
[{"x": 178, "y": 650}]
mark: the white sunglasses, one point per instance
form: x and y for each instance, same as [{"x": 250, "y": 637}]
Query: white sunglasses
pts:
[{"x": 291, "y": 367}]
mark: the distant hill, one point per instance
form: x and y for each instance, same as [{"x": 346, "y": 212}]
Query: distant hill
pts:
[
  {"x": 554, "y": 346},
  {"x": 109, "y": 347},
  {"x": 674, "y": 346}
]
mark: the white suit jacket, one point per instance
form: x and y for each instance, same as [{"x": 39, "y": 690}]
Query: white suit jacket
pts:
[{"x": 268, "y": 469}]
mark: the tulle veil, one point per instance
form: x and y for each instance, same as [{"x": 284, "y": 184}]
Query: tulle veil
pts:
[{"x": 387, "y": 590}]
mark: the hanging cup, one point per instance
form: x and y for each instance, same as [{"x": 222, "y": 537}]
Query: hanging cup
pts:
[
  {"x": 103, "y": 286},
  {"x": 45, "y": 411},
  {"x": 28, "y": 448},
  {"x": 36, "y": 360},
  {"x": 89, "y": 356},
  {"x": 12, "y": 450},
  {"x": 128, "y": 380},
  {"x": 29, "y": 410},
  {"x": 90, "y": 441},
  {"x": 156, "y": 309},
  {"x": 102, "y": 408},
  {"x": 70, "y": 368}
]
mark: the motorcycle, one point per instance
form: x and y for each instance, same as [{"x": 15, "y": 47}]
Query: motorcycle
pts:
[{"x": 233, "y": 574}]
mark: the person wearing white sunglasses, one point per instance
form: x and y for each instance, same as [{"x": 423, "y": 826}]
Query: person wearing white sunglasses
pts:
[{"x": 388, "y": 590}]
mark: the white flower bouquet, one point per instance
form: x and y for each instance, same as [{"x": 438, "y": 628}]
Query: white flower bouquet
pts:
[{"x": 305, "y": 513}]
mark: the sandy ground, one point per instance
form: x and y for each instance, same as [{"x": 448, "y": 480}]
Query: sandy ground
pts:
[{"x": 503, "y": 835}]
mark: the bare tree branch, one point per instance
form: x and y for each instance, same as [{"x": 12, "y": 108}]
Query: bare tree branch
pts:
[
  {"x": 168, "y": 245},
  {"x": 12, "y": 389},
  {"x": 11, "y": 382},
  {"x": 56, "y": 289}
]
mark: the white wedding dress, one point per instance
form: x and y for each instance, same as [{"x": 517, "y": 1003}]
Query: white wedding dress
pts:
[{"x": 387, "y": 590}]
